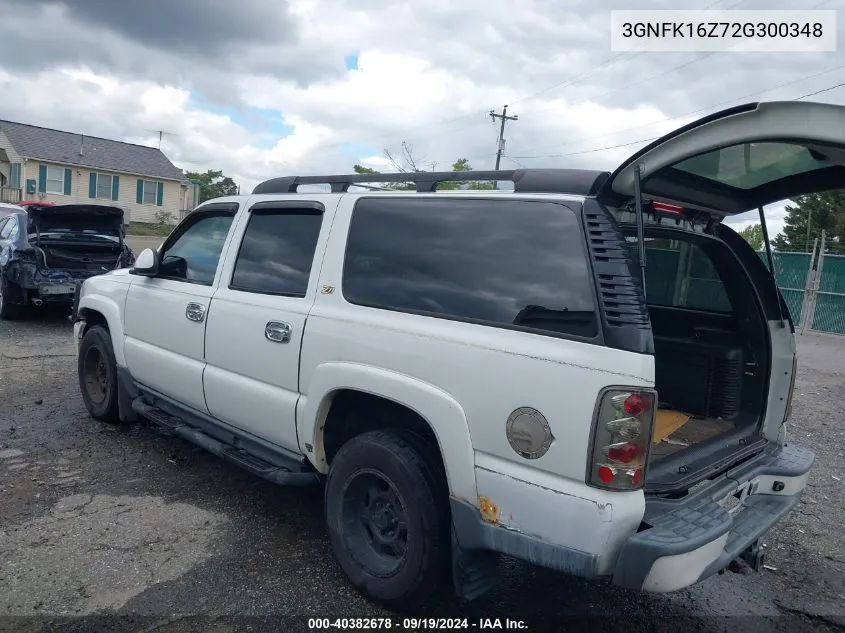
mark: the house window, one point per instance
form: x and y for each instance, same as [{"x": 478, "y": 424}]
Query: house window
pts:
[
  {"x": 55, "y": 181},
  {"x": 150, "y": 191},
  {"x": 104, "y": 186}
]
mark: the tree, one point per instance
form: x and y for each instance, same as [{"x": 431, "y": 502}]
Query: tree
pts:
[
  {"x": 213, "y": 184},
  {"x": 824, "y": 210},
  {"x": 406, "y": 162},
  {"x": 753, "y": 235}
]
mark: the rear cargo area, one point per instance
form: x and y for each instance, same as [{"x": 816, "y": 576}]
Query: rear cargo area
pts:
[
  {"x": 81, "y": 256},
  {"x": 710, "y": 348}
]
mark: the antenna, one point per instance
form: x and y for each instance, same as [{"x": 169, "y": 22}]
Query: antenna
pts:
[{"x": 161, "y": 133}]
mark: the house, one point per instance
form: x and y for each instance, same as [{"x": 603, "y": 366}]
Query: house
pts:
[{"x": 38, "y": 163}]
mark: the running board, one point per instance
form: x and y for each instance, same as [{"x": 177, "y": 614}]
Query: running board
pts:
[{"x": 294, "y": 475}]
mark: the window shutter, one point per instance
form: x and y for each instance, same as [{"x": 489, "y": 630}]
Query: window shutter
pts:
[
  {"x": 15, "y": 175},
  {"x": 159, "y": 193},
  {"x": 115, "y": 187},
  {"x": 139, "y": 192},
  {"x": 92, "y": 185},
  {"x": 42, "y": 178},
  {"x": 68, "y": 176}
]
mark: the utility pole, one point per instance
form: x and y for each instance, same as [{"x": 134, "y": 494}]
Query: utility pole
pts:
[{"x": 505, "y": 118}]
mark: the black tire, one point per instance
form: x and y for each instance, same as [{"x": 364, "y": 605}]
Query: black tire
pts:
[
  {"x": 97, "y": 371},
  {"x": 388, "y": 468},
  {"x": 8, "y": 310}
]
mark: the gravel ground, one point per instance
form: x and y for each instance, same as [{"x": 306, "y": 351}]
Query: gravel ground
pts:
[{"x": 125, "y": 529}]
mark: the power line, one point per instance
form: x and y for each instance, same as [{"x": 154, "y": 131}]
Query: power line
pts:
[
  {"x": 696, "y": 111},
  {"x": 645, "y": 140},
  {"x": 592, "y": 69},
  {"x": 818, "y": 92}
]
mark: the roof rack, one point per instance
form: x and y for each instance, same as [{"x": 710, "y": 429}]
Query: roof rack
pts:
[{"x": 582, "y": 182}]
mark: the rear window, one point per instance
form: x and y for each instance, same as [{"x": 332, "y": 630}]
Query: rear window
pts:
[
  {"x": 751, "y": 165},
  {"x": 680, "y": 274},
  {"x": 507, "y": 263}
]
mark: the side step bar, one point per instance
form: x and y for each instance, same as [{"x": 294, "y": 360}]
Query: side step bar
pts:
[{"x": 292, "y": 476}]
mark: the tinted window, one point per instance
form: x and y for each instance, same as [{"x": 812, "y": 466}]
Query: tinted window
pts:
[
  {"x": 5, "y": 228},
  {"x": 680, "y": 274},
  {"x": 277, "y": 251},
  {"x": 195, "y": 252},
  {"x": 499, "y": 262},
  {"x": 754, "y": 164}
]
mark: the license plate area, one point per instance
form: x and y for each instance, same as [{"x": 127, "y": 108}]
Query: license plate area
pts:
[
  {"x": 734, "y": 501},
  {"x": 56, "y": 289}
]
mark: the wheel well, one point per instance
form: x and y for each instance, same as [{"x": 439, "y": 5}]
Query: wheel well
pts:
[
  {"x": 92, "y": 318},
  {"x": 355, "y": 412}
]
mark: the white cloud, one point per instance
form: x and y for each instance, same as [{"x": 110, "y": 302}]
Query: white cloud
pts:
[{"x": 427, "y": 74}]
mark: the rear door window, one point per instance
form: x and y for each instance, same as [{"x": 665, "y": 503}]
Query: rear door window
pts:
[
  {"x": 508, "y": 263},
  {"x": 277, "y": 252}
]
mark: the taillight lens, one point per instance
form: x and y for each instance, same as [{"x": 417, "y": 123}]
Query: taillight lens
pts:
[{"x": 621, "y": 439}]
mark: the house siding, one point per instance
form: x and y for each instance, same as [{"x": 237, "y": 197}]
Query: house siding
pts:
[
  {"x": 11, "y": 153},
  {"x": 79, "y": 192}
]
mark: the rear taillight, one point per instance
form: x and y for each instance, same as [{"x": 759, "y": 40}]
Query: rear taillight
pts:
[{"x": 621, "y": 437}]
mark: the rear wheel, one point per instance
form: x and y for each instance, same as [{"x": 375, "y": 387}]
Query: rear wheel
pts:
[
  {"x": 97, "y": 371},
  {"x": 388, "y": 518}
]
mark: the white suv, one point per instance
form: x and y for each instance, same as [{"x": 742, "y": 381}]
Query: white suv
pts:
[{"x": 473, "y": 373}]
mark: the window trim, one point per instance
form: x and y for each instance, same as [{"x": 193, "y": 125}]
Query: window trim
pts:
[
  {"x": 154, "y": 183},
  {"x": 221, "y": 209},
  {"x": 312, "y": 207},
  {"x": 47, "y": 180},
  {"x": 97, "y": 175},
  {"x": 577, "y": 212}
]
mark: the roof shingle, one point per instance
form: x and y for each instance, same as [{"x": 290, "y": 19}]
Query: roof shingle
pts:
[{"x": 98, "y": 153}]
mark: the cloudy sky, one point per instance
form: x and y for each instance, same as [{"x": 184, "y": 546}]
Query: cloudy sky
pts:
[{"x": 260, "y": 88}]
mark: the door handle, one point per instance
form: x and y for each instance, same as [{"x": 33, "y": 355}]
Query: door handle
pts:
[
  {"x": 195, "y": 312},
  {"x": 277, "y": 331}
]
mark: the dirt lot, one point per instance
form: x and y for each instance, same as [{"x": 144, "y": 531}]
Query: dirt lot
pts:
[{"x": 103, "y": 528}]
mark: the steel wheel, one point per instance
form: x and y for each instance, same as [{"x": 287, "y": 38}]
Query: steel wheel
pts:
[
  {"x": 96, "y": 376},
  {"x": 377, "y": 523}
]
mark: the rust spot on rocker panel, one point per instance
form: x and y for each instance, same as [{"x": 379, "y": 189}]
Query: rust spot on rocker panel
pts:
[{"x": 489, "y": 510}]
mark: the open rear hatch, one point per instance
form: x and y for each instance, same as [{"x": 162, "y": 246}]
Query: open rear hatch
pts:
[
  {"x": 78, "y": 236},
  {"x": 724, "y": 350}
]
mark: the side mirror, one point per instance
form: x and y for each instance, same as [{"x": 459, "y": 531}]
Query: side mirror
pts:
[{"x": 146, "y": 264}]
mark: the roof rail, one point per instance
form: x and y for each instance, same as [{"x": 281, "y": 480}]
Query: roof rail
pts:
[{"x": 584, "y": 182}]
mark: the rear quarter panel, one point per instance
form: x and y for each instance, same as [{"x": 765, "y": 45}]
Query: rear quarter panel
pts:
[{"x": 480, "y": 373}]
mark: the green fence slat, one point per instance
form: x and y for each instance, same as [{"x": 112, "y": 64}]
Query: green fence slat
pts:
[{"x": 829, "y": 315}]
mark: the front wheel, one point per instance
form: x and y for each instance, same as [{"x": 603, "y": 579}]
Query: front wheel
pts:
[
  {"x": 97, "y": 371},
  {"x": 8, "y": 310},
  {"x": 387, "y": 518}
]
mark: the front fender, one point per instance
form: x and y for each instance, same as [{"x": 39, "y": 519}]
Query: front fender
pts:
[
  {"x": 109, "y": 308},
  {"x": 441, "y": 411}
]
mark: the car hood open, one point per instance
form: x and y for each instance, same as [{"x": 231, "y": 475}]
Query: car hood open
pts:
[
  {"x": 740, "y": 159},
  {"x": 82, "y": 218}
]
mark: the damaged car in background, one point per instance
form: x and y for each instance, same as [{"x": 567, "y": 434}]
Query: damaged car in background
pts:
[{"x": 46, "y": 251}]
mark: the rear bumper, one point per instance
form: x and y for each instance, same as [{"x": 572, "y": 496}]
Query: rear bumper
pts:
[{"x": 688, "y": 540}]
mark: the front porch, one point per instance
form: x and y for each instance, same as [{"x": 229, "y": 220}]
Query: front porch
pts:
[{"x": 11, "y": 195}]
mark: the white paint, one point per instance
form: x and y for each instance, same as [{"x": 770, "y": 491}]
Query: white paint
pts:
[
  {"x": 671, "y": 573},
  {"x": 558, "y": 510},
  {"x": 783, "y": 352}
]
